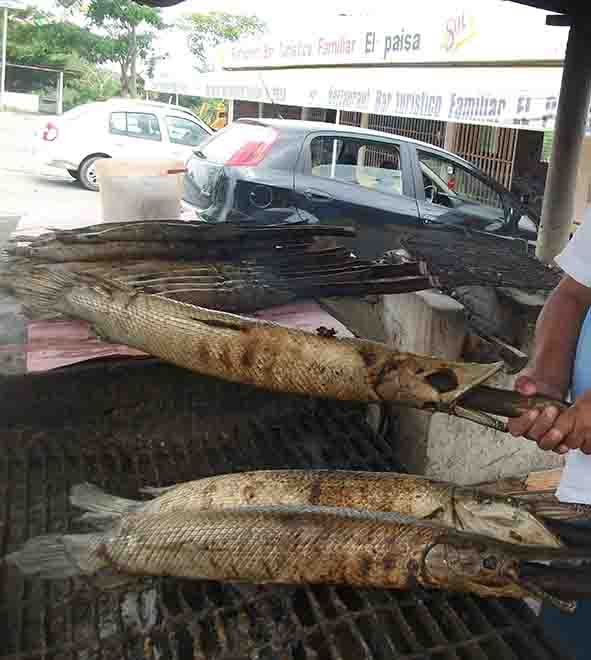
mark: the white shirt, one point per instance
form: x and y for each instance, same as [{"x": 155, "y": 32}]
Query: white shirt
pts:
[{"x": 575, "y": 260}]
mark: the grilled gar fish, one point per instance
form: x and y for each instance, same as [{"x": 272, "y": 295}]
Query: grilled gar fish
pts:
[
  {"x": 244, "y": 350},
  {"x": 293, "y": 545},
  {"x": 419, "y": 497}
]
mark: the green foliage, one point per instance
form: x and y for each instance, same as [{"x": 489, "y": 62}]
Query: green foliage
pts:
[
  {"x": 125, "y": 43},
  {"x": 209, "y": 29},
  {"x": 36, "y": 37},
  {"x": 87, "y": 83}
]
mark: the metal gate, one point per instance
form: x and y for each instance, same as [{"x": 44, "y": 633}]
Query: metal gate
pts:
[
  {"x": 350, "y": 118},
  {"x": 425, "y": 130},
  {"x": 490, "y": 148}
]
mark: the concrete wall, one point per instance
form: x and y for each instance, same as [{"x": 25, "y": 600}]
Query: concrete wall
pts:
[{"x": 25, "y": 102}]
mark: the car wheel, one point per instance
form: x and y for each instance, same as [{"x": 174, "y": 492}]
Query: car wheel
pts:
[
  {"x": 87, "y": 171},
  {"x": 74, "y": 174}
]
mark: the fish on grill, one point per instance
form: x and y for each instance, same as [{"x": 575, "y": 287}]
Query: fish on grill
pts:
[
  {"x": 244, "y": 350},
  {"x": 462, "y": 508},
  {"x": 297, "y": 545},
  {"x": 256, "y": 352}
]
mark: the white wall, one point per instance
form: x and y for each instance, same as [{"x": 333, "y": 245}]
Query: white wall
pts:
[{"x": 26, "y": 102}]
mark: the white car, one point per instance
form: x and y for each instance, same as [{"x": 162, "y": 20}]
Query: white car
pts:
[{"x": 118, "y": 128}]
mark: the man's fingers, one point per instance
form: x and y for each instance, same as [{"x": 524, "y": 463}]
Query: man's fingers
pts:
[
  {"x": 525, "y": 385},
  {"x": 519, "y": 426},
  {"x": 543, "y": 424},
  {"x": 586, "y": 445},
  {"x": 551, "y": 440}
]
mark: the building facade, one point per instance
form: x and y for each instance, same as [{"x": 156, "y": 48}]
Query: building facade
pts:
[{"x": 479, "y": 80}]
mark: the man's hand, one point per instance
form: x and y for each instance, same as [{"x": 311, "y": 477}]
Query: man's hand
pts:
[{"x": 550, "y": 429}]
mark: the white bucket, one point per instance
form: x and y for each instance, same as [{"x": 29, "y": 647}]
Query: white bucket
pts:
[{"x": 140, "y": 189}]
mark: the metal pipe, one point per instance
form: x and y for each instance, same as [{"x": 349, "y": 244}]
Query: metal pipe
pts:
[
  {"x": 571, "y": 119},
  {"x": 60, "y": 93},
  {"x": 3, "y": 67}
]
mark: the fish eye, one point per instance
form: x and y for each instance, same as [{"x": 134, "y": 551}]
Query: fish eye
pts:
[{"x": 490, "y": 563}]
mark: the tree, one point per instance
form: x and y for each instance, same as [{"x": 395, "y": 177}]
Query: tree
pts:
[
  {"x": 87, "y": 82},
  {"x": 38, "y": 38},
  {"x": 124, "y": 42},
  {"x": 208, "y": 30}
]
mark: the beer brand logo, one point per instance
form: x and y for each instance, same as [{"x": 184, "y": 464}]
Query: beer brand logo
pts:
[{"x": 458, "y": 30}]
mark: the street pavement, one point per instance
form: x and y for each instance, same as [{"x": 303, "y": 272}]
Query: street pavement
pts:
[{"x": 40, "y": 197}]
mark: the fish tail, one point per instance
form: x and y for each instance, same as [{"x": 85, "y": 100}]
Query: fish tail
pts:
[
  {"x": 99, "y": 504},
  {"x": 58, "y": 556},
  {"x": 42, "y": 289}
]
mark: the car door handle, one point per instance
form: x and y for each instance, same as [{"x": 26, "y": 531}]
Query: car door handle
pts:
[{"x": 317, "y": 196}]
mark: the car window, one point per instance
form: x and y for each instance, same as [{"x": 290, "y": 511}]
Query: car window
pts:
[
  {"x": 231, "y": 140},
  {"x": 135, "y": 124},
  {"x": 366, "y": 163},
  {"x": 449, "y": 184},
  {"x": 118, "y": 123},
  {"x": 185, "y": 131}
]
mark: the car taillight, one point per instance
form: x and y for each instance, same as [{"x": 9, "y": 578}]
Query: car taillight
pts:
[
  {"x": 253, "y": 151},
  {"x": 50, "y": 132}
]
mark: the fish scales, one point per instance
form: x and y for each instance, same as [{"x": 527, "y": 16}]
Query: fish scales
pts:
[
  {"x": 457, "y": 507},
  {"x": 251, "y": 353},
  {"x": 405, "y": 494},
  {"x": 289, "y": 545}
]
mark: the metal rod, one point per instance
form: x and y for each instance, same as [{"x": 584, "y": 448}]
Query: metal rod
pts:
[
  {"x": 3, "y": 67},
  {"x": 60, "y": 93}
]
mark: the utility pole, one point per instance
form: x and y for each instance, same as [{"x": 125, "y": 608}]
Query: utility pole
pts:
[{"x": 3, "y": 67}]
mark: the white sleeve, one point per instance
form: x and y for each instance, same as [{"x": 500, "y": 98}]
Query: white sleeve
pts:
[{"x": 575, "y": 259}]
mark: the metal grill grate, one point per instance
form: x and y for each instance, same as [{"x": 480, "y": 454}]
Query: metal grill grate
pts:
[{"x": 127, "y": 427}]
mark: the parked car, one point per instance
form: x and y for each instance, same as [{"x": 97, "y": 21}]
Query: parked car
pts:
[
  {"x": 275, "y": 170},
  {"x": 117, "y": 128}
]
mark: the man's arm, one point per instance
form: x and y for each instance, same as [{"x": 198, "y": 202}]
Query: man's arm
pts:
[{"x": 550, "y": 372}]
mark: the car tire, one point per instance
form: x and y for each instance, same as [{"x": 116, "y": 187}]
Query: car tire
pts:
[
  {"x": 87, "y": 172},
  {"x": 74, "y": 174}
]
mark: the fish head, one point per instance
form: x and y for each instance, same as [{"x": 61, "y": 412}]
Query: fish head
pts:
[
  {"x": 468, "y": 563},
  {"x": 501, "y": 518},
  {"x": 474, "y": 566}
]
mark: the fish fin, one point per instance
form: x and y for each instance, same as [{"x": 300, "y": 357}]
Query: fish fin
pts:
[
  {"x": 98, "y": 521},
  {"x": 99, "y": 503},
  {"x": 156, "y": 491},
  {"x": 42, "y": 289},
  {"x": 57, "y": 556}
]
